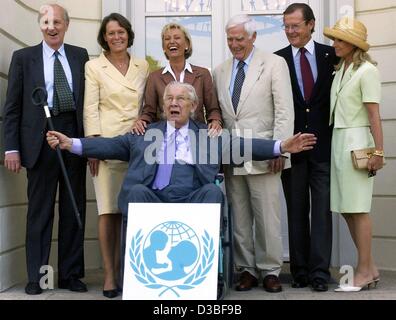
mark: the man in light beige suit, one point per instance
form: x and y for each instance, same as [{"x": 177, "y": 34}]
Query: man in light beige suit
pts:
[{"x": 256, "y": 99}]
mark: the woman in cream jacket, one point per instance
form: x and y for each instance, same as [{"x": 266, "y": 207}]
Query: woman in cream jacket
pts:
[{"x": 115, "y": 84}]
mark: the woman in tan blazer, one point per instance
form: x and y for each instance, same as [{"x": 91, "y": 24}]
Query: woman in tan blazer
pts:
[
  {"x": 177, "y": 46},
  {"x": 113, "y": 95}
]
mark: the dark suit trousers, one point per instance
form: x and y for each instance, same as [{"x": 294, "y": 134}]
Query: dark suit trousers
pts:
[
  {"x": 307, "y": 189},
  {"x": 43, "y": 181}
]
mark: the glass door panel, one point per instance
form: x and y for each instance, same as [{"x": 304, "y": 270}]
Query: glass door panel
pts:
[
  {"x": 178, "y": 6},
  {"x": 264, "y": 5}
]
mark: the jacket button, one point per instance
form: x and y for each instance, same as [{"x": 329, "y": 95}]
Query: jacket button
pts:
[
  {"x": 306, "y": 126},
  {"x": 307, "y": 110}
]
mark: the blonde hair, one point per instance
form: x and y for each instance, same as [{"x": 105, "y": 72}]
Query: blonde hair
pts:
[
  {"x": 174, "y": 25},
  {"x": 358, "y": 58}
]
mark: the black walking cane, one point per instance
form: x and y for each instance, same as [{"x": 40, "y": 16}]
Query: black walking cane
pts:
[{"x": 39, "y": 98}]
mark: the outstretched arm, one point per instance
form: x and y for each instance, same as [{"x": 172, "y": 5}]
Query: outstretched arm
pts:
[
  {"x": 266, "y": 149},
  {"x": 101, "y": 148},
  {"x": 239, "y": 150}
]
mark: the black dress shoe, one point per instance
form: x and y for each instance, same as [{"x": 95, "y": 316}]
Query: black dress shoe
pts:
[
  {"x": 73, "y": 285},
  {"x": 319, "y": 285},
  {"x": 33, "y": 288},
  {"x": 300, "y": 282},
  {"x": 110, "y": 293}
]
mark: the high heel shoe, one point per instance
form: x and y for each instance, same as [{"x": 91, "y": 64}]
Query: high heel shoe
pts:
[
  {"x": 348, "y": 288},
  {"x": 376, "y": 281},
  {"x": 110, "y": 293}
]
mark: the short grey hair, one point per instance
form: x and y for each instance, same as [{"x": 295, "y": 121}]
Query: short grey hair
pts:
[
  {"x": 65, "y": 12},
  {"x": 192, "y": 95},
  {"x": 242, "y": 19}
]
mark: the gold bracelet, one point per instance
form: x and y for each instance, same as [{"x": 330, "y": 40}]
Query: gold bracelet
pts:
[{"x": 379, "y": 153}]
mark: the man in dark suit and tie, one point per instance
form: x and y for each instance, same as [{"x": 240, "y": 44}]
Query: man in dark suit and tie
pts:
[
  {"x": 60, "y": 69},
  {"x": 311, "y": 67}
]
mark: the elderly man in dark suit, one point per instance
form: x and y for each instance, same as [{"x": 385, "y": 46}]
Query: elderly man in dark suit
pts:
[
  {"x": 174, "y": 161},
  {"x": 179, "y": 144},
  {"x": 60, "y": 69},
  {"x": 307, "y": 183}
]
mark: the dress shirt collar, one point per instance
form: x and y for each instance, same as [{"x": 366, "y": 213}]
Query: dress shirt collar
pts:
[
  {"x": 310, "y": 46},
  {"x": 168, "y": 68},
  {"x": 247, "y": 60},
  {"x": 49, "y": 52},
  {"x": 170, "y": 129}
]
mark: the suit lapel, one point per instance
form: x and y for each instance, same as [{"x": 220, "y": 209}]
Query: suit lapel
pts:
[
  {"x": 226, "y": 77},
  {"x": 194, "y": 140},
  {"x": 254, "y": 72},
  {"x": 166, "y": 78},
  {"x": 38, "y": 65},
  {"x": 151, "y": 170},
  {"x": 337, "y": 84},
  {"x": 75, "y": 69},
  {"x": 293, "y": 76},
  {"x": 114, "y": 74},
  {"x": 190, "y": 77},
  {"x": 321, "y": 63}
]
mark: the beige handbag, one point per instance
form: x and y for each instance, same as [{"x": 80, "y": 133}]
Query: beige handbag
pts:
[{"x": 360, "y": 157}]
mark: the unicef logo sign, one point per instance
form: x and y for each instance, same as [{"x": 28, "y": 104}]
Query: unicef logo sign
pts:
[{"x": 171, "y": 257}]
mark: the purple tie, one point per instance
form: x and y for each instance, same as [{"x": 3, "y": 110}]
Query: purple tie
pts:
[
  {"x": 164, "y": 171},
  {"x": 306, "y": 73}
]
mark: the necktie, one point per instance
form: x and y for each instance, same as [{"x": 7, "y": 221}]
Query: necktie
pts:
[
  {"x": 239, "y": 79},
  {"x": 164, "y": 172},
  {"x": 306, "y": 73},
  {"x": 63, "y": 96}
]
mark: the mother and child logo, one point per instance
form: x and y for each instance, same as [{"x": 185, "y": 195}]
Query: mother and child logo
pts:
[{"x": 171, "y": 257}]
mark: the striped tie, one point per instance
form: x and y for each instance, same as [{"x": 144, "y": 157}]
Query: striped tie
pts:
[{"x": 240, "y": 77}]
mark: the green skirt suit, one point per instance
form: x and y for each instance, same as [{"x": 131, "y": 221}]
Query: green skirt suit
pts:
[{"x": 351, "y": 190}]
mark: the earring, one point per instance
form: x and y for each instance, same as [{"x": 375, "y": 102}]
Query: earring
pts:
[{"x": 186, "y": 49}]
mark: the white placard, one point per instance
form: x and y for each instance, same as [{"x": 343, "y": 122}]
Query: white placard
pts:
[{"x": 172, "y": 251}]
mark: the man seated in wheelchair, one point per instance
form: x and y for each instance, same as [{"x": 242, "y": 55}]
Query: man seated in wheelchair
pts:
[{"x": 177, "y": 159}]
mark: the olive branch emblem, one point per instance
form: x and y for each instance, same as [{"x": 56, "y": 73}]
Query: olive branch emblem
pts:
[{"x": 144, "y": 277}]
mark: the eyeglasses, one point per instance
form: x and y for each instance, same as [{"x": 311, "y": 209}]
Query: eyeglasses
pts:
[
  {"x": 179, "y": 99},
  {"x": 293, "y": 27}
]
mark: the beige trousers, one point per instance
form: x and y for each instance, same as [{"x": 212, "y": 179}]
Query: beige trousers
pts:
[{"x": 255, "y": 202}]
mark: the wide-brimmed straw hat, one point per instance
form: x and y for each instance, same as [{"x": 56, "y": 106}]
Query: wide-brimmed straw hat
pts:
[{"x": 350, "y": 30}]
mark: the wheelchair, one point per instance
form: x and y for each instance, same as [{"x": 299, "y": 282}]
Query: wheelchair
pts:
[
  {"x": 225, "y": 257},
  {"x": 226, "y": 262}
]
